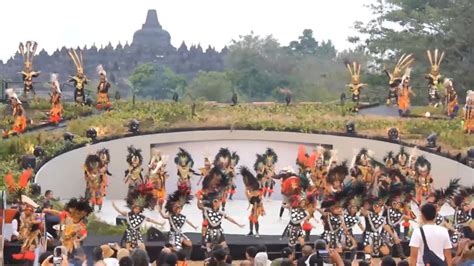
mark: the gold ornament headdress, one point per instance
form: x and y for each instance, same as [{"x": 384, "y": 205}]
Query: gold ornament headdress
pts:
[{"x": 435, "y": 62}]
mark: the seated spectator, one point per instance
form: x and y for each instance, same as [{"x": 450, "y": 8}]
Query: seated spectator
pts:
[
  {"x": 79, "y": 258},
  {"x": 323, "y": 255},
  {"x": 123, "y": 252},
  {"x": 388, "y": 261},
  {"x": 403, "y": 263},
  {"x": 107, "y": 253},
  {"x": 465, "y": 254},
  {"x": 171, "y": 259},
  {"x": 98, "y": 257},
  {"x": 220, "y": 256},
  {"x": 286, "y": 253},
  {"x": 246, "y": 263},
  {"x": 250, "y": 253},
  {"x": 261, "y": 259},
  {"x": 306, "y": 251},
  {"x": 140, "y": 258},
  {"x": 181, "y": 258},
  {"x": 126, "y": 261}
]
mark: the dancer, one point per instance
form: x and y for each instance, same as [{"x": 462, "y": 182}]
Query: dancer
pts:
[
  {"x": 441, "y": 196},
  {"x": 138, "y": 199},
  {"x": 72, "y": 226},
  {"x": 253, "y": 192},
  {"x": 56, "y": 106},
  {"x": 205, "y": 169},
  {"x": 401, "y": 162},
  {"x": 185, "y": 163},
  {"x": 423, "y": 178},
  {"x": 395, "y": 78},
  {"x": 234, "y": 161},
  {"x": 173, "y": 207},
  {"x": 104, "y": 156},
  {"x": 271, "y": 158},
  {"x": 214, "y": 184},
  {"x": 362, "y": 167},
  {"x": 94, "y": 180},
  {"x": 462, "y": 213},
  {"x": 157, "y": 176},
  {"x": 28, "y": 52},
  {"x": 133, "y": 175},
  {"x": 434, "y": 77},
  {"x": 80, "y": 79},
  {"x": 451, "y": 99},
  {"x": 29, "y": 231},
  {"x": 404, "y": 93},
  {"x": 469, "y": 112},
  {"x": 103, "y": 101},
  {"x": 355, "y": 85},
  {"x": 394, "y": 217},
  {"x": 374, "y": 224},
  {"x": 222, "y": 162},
  {"x": 351, "y": 219},
  {"x": 19, "y": 114}
]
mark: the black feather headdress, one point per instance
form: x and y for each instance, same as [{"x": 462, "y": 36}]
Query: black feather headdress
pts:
[
  {"x": 183, "y": 158},
  {"x": 82, "y": 205},
  {"x": 259, "y": 163},
  {"x": 270, "y": 156},
  {"x": 141, "y": 196},
  {"x": 462, "y": 195},
  {"x": 422, "y": 164},
  {"x": 442, "y": 194},
  {"x": 104, "y": 153},
  {"x": 215, "y": 180},
  {"x": 250, "y": 181},
  {"x": 235, "y": 158},
  {"x": 339, "y": 172},
  {"x": 179, "y": 198},
  {"x": 221, "y": 156},
  {"x": 402, "y": 156},
  {"x": 92, "y": 162},
  {"x": 134, "y": 154}
]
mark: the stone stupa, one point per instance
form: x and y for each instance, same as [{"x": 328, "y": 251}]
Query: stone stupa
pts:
[{"x": 152, "y": 37}]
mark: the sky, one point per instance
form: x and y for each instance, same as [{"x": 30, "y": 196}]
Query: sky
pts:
[{"x": 57, "y": 23}]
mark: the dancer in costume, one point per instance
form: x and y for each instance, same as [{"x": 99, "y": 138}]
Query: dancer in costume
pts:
[
  {"x": 174, "y": 207},
  {"x": 351, "y": 219},
  {"x": 355, "y": 85},
  {"x": 205, "y": 169},
  {"x": 157, "y": 176},
  {"x": 222, "y": 161},
  {"x": 462, "y": 213},
  {"x": 394, "y": 217},
  {"x": 451, "y": 98},
  {"x": 469, "y": 112},
  {"x": 423, "y": 178},
  {"x": 404, "y": 93},
  {"x": 284, "y": 174},
  {"x": 103, "y": 101},
  {"x": 362, "y": 167},
  {"x": 29, "y": 230},
  {"x": 19, "y": 114},
  {"x": 72, "y": 227},
  {"x": 401, "y": 162},
  {"x": 271, "y": 158},
  {"x": 184, "y": 163},
  {"x": 254, "y": 196},
  {"x": 138, "y": 199},
  {"x": 395, "y": 78},
  {"x": 213, "y": 185},
  {"x": 28, "y": 52},
  {"x": 441, "y": 196},
  {"x": 104, "y": 156},
  {"x": 374, "y": 224},
  {"x": 94, "y": 180},
  {"x": 234, "y": 161},
  {"x": 434, "y": 77},
  {"x": 56, "y": 107},
  {"x": 80, "y": 79},
  {"x": 133, "y": 175}
]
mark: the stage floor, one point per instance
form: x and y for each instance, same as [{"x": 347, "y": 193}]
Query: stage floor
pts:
[{"x": 270, "y": 224}]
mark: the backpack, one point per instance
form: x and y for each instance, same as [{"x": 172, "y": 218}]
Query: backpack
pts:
[{"x": 429, "y": 257}]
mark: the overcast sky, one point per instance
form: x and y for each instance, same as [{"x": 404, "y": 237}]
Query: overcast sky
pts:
[{"x": 54, "y": 23}]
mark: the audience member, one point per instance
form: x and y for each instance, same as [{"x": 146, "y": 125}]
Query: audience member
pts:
[
  {"x": 171, "y": 259},
  {"x": 220, "y": 256},
  {"x": 322, "y": 255},
  {"x": 437, "y": 238},
  {"x": 246, "y": 263},
  {"x": 43, "y": 256},
  {"x": 123, "y": 252},
  {"x": 261, "y": 259},
  {"x": 306, "y": 251},
  {"x": 107, "y": 253},
  {"x": 286, "y": 253},
  {"x": 403, "y": 263},
  {"x": 465, "y": 254},
  {"x": 250, "y": 253},
  {"x": 126, "y": 261},
  {"x": 98, "y": 257},
  {"x": 286, "y": 262},
  {"x": 181, "y": 254},
  {"x": 78, "y": 258},
  {"x": 140, "y": 258},
  {"x": 388, "y": 261}
]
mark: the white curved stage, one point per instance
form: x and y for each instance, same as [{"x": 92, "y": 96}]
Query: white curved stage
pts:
[{"x": 64, "y": 175}]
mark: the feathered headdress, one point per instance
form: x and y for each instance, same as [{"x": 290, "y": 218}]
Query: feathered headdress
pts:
[
  {"x": 92, "y": 163},
  {"x": 447, "y": 193},
  {"x": 179, "y": 198},
  {"x": 402, "y": 156},
  {"x": 234, "y": 159},
  {"x": 259, "y": 163},
  {"x": 101, "y": 71},
  {"x": 77, "y": 59},
  {"x": 305, "y": 161},
  {"x": 104, "y": 152},
  {"x": 55, "y": 82},
  {"x": 10, "y": 92},
  {"x": 435, "y": 62},
  {"x": 141, "y": 196},
  {"x": 223, "y": 156},
  {"x": 28, "y": 51},
  {"x": 395, "y": 78},
  {"x": 270, "y": 156},
  {"x": 463, "y": 194},
  {"x": 347, "y": 193},
  {"x": 134, "y": 154},
  {"x": 338, "y": 172},
  {"x": 17, "y": 189},
  {"x": 250, "y": 181},
  {"x": 422, "y": 164},
  {"x": 355, "y": 72},
  {"x": 389, "y": 159},
  {"x": 215, "y": 180},
  {"x": 363, "y": 154},
  {"x": 183, "y": 158}
]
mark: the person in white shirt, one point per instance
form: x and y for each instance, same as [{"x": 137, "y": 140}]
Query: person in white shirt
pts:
[{"x": 437, "y": 238}]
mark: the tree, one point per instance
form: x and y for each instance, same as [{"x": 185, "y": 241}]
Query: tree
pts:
[
  {"x": 156, "y": 81},
  {"x": 407, "y": 26},
  {"x": 307, "y": 45},
  {"x": 213, "y": 86}
]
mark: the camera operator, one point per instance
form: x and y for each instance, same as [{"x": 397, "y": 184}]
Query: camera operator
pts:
[{"x": 323, "y": 256}]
